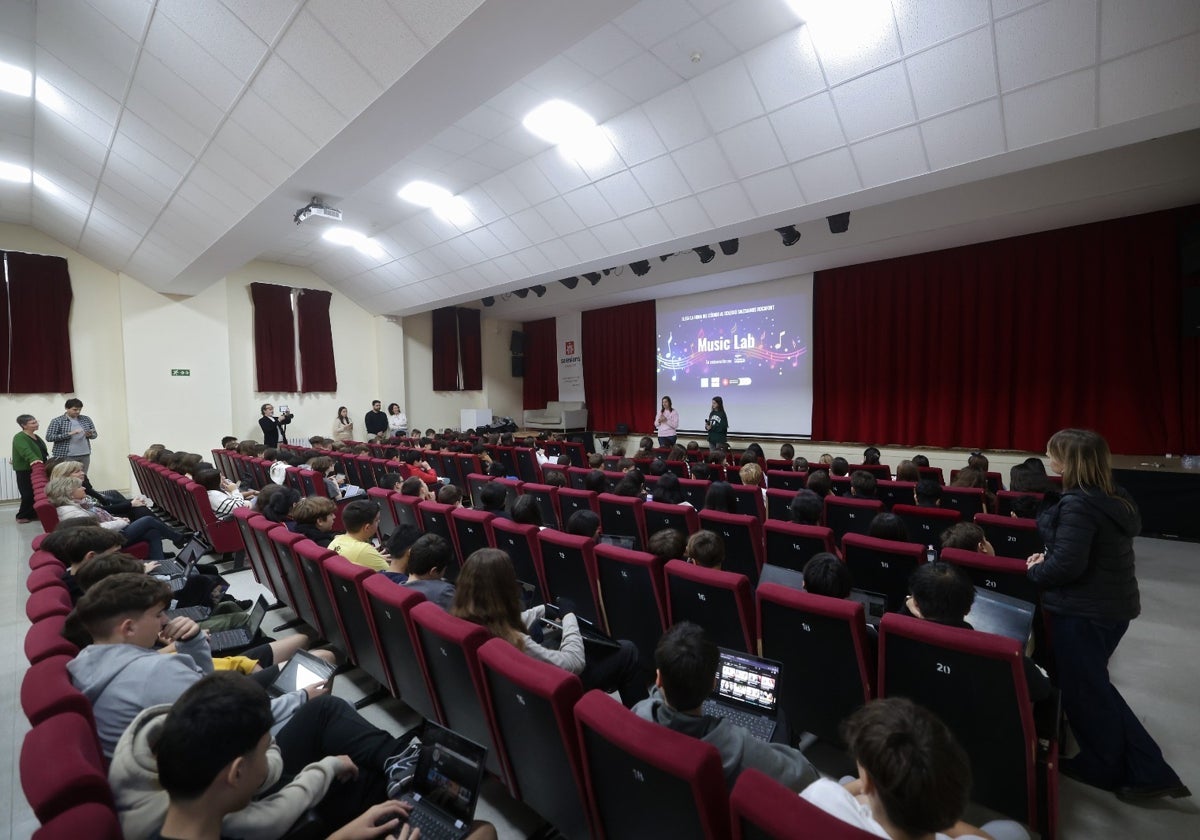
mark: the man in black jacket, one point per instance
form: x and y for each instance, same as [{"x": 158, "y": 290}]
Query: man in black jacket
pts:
[{"x": 376, "y": 421}]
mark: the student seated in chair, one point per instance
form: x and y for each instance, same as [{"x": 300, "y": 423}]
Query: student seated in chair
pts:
[
  {"x": 314, "y": 516},
  {"x": 416, "y": 486},
  {"x": 863, "y": 485},
  {"x": 493, "y": 496},
  {"x": 361, "y": 519},
  {"x": 913, "y": 778},
  {"x": 399, "y": 548},
  {"x": 806, "y": 508},
  {"x": 707, "y": 549},
  {"x": 686, "y": 661},
  {"x": 449, "y": 494},
  {"x": 427, "y": 562},
  {"x": 77, "y": 544},
  {"x": 969, "y": 537}
]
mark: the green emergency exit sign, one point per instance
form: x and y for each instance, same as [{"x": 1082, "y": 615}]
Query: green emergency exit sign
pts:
[{"x": 181, "y": 372}]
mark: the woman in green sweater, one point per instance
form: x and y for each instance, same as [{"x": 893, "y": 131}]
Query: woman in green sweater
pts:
[
  {"x": 27, "y": 449},
  {"x": 717, "y": 424}
]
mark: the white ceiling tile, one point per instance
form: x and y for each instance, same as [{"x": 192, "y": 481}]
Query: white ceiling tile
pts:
[
  {"x": 695, "y": 50},
  {"x": 431, "y": 265},
  {"x": 487, "y": 243},
  {"x": 467, "y": 171},
  {"x": 265, "y": 20},
  {"x": 642, "y": 77},
  {"x": 147, "y": 137},
  {"x": 509, "y": 234},
  {"x": 416, "y": 229},
  {"x": 704, "y": 165},
  {"x": 482, "y": 206},
  {"x": 495, "y": 155},
  {"x": 1155, "y": 80},
  {"x": 65, "y": 79},
  {"x": 535, "y": 261},
  {"x": 808, "y": 127},
  {"x": 559, "y": 77},
  {"x": 261, "y": 119},
  {"x": 601, "y": 101},
  {"x": 466, "y": 250},
  {"x": 377, "y": 37},
  {"x": 748, "y": 23},
  {"x": 511, "y": 266},
  {"x": 486, "y": 122},
  {"x": 492, "y": 274},
  {"x": 827, "y": 176},
  {"x": 516, "y": 101},
  {"x": 685, "y": 217},
  {"x": 505, "y": 193},
  {"x": 123, "y": 201},
  {"x": 604, "y": 49},
  {"x": 648, "y": 228},
  {"x": 144, "y": 174},
  {"x": 623, "y": 193},
  {"x": 129, "y": 17},
  {"x": 99, "y": 128},
  {"x": 441, "y": 228},
  {"x": 297, "y": 101},
  {"x": 785, "y": 69},
  {"x": 972, "y": 133},
  {"x": 634, "y": 137},
  {"x": 342, "y": 81},
  {"x": 66, "y": 138},
  {"x": 523, "y": 141},
  {"x": 250, "y": 180},
  {"x": 751, "y": 147},
  {"x": 247, "y": 150},
  {"x": 615, "y": 237},
  {"x": 73, "y": 186},
  {"x": 532, "y": 224},
  {"x": 923, "y": 24},
  {"x": 773, "y": 191},
  {"x": 727, "y": 96},
  {"x": 589, "y": 205},
  {"x": 874, "y": 103},
  {"x": 661, "y": 179},
  {"x": 676, "y": 117},
  {"x": 585, "y": 246},
  {"x": 94, "y": 47},
  {"x": 559, "y": 216},
  {"x": 1003, "y": 8},
  {"x": 186, "y": 58},
  {"x": 890, "y": 157},
  {"x": 433, "y": 20},
  {"x": 180, "y": 130},
  {"x": 954, "y": 74},
  {"x": 1044, "y": 41},
  {"x": 1125, "y": 27},
  {"x": 435, "y": 159},
  {"x": 220, "y": 31},
  {"x": 1058, "y": 108},
  {"x": 535, "y": 186},
  {"x": 727, "y": 205},
  {"x": 652, "y": 20},
  {"x": 707, "y": 7},
  {"x": 606, "y": 161},
  {"x": 63, "y": 225},
  {"x": 558, "y": 253},
  {"x": 563, "y": 173},
  {"x": 852, "y": 45}
]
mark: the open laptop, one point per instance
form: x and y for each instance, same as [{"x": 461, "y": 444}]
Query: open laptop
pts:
[
  {"x": 1001, "y": 614},
  {"x": 592, "y": 635},
  {"x": 301, "y": 671},
  {"x": 619, "y": 540},
  {"x": 746, "y": 693},
  {"x": 180, "y": 564},
  {"x": 874, "y": 604},
  {"x": 781, "y": 575},
  {"x": 240, "y": 637},
  {"x": 446, "y": 784}
]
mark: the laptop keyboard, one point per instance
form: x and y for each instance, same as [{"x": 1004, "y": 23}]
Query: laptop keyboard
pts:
[
  {"x": 223, "y": 639},
  {"x": 431, "y": 827},
  {"x": 760, "y": 727},
  {"x": 170, "y": 567},
  {"x": 194, "y": 613}
]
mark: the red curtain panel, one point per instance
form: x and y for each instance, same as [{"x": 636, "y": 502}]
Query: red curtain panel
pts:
[
  {"x": 470, "y": 349},
  {"x": 274, "y": 337},
  {"x": 317, "y": 369},
  {"x": 1000, "y": 344},
  {"x": 540, "y": 383},
  {"x": 38, "y": 307},
  {"x": 618, "y": 364},
  {"x": 445, "y": 349}
]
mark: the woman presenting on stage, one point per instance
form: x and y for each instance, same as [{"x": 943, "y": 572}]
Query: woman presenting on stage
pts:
[
  {"x": 666, "y": 423},
  {"x": 717, "y": 424}
]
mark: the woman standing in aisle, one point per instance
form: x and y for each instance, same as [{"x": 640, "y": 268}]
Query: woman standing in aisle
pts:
[
  {"x": 1090, "y": 596},
  {"x": 717, "y": 424},
  {"x": 27, "y": 449},
  {"x": 343, "y": 426},
  {"x": 666, "y": 424}
]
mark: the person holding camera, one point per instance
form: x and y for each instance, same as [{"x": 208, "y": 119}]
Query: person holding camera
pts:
[{"x": 274, "y": 428}]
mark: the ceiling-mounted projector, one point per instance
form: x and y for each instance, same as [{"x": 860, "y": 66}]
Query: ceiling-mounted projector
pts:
[{"x": 318, "y": 209}]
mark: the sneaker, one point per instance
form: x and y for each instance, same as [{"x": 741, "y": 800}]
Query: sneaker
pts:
[{"x": 21, "y": 521}]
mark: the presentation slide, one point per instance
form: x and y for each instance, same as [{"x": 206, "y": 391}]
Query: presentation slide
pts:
[{"x": 749, "y": 345}]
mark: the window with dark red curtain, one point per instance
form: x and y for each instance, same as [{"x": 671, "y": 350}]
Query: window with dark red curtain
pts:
[
  {"x": 317, "y": 369},
  {"x": 470, "y": 349},
  {"x": 445, "y": 349},
  {"x": 274, "y": 337},
  {"x": 38, "y": 336},
  {"x": 540, "y": 383},
  {"x": 1000, "y": 344},
  {"x": 618, "y": 365}
]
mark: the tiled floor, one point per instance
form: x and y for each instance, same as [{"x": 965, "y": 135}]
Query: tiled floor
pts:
[{"x": 1156, "y": 668}]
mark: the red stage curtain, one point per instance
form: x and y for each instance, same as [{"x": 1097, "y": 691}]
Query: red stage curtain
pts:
[
  {"x": 470, "y": 349},
  {"x": 274, "y": 337},
  {"x": 38, "y": 307},
  {"x": 618, "y": 365},
  {"x": 317, "y": 369},
  {"x": 540, "y": 384},
  {"x": 445, "y": 349},
  {"x": 1000, "y": 344}
]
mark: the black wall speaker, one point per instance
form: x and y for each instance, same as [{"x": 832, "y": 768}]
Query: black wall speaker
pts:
[
  {"x": 516, "y": 344},
  {"x": 518, "y": 366},
  {"x": 1189, "y": 250},
  {"x": 1191, "y": 311}
]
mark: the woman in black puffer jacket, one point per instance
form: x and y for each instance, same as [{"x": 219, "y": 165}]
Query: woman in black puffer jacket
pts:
[{"x": 1090, "y": 596}]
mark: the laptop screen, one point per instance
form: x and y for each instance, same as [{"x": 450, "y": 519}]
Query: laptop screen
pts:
[
  {"x": 1003, "y": 615},
  {"x": 450, "y": 771},
  {"x": 618, "y": 540},
  {"x": 257, "y": 613},
  {"x": 749, "y": 681}
]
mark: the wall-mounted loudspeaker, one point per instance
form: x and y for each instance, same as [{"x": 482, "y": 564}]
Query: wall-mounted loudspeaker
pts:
[
  {"x": 516, "y": 344},
  {"x": 518, "y": 366}
]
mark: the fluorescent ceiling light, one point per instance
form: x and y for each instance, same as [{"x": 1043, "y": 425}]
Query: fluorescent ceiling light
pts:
[
  {"x": 13, "y": 172},
  {"x": 14, "y": 79},
  {"x": 845, "y": 27},
  {"x": 456, "y": 211},
  {"x": 425, "y": 194},
  {"x": 556, "y": 121},
  {"x": 50, "y": 96},
  {"x": 359, "y": 241}
]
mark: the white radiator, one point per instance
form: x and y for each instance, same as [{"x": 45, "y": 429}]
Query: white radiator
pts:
[{"x": 8, "y": 481}]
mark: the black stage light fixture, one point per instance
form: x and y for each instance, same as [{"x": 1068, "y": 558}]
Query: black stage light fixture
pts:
[
  {"x": 522, "y": 293},
  {"x": 666, "y": 257},
  {"x": 789, "y": 235},
  {"x": 705, "y": 253},
  {"x": 641, "y": 268},
  {"x": 838, "y": 222},
  {"x": 489, "y": 301},
  {"x": 538, "y": 290},
  {"x": 593, "y": 277},
  {"x": 729, "y": 247},
  {"x": 570, "y": 282}
]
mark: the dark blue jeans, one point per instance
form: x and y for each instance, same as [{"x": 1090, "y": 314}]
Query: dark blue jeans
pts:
[
  {"x": 153, "y": 531},
  {"x": 1115, "y": 750}
]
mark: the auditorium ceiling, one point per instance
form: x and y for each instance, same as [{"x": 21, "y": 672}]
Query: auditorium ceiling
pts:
[{"x": 174, "y": 140}]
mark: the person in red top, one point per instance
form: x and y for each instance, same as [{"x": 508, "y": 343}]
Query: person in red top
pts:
[{"x": 415, "y": 465}]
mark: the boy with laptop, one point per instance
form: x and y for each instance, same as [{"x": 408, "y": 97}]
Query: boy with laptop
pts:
[{"x": 687, "y": 663}]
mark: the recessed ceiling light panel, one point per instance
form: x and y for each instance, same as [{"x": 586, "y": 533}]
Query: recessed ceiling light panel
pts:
[
  {"x": 14, "y": 172},
  {"x": 557, "y": 121},
  {"x": 15, "y": 80},
  {"x": 424, "y": 194}
]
